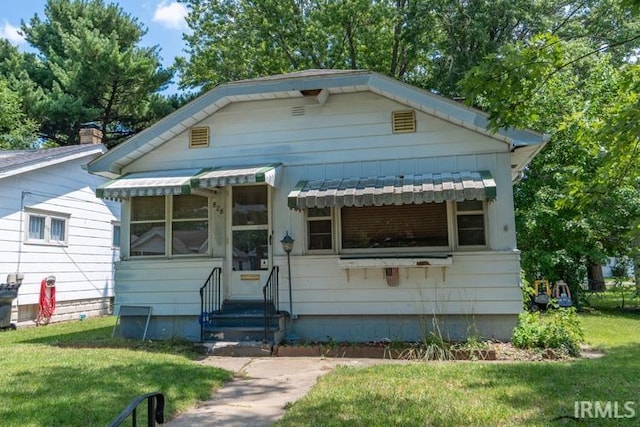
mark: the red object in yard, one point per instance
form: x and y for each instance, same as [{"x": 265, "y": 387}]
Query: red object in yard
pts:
[{"x": 47, "y": 303}]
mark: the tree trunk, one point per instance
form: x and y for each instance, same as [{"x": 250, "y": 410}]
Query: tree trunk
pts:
[
  {"x": 596, "y": 278},
  {"x": 636, "y": 272}
]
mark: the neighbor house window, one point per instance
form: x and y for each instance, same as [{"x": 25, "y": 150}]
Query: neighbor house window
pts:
[
  {"x": 319, "y": 229},
  {"x": 189, "y": 225},
  {"x": 470, "y": 223},
  {"x": 115, "y": 237},
  {"x": 184, "y": 227},
  {"x": 45, "y": 227},
  {"x": 403, "y": 226}
]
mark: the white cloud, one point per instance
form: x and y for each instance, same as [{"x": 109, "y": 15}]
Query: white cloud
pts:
[
  {"x": 171, "y": 15},
  {"x": 8, "y": 31}
]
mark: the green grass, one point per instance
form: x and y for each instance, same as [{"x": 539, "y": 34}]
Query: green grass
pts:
[
  {"x": 74, "y": 374},
  {"x": 484, "y": 393}
]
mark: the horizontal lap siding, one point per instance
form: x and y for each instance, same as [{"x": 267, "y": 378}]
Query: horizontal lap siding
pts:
[
  {"x": 84, "y": 267},
  {"x": 171, "y": 287},
  {"x": 474, "y": 284},
  {"x": 353, "y": 126},
  {"x": 349, "y": 136}
]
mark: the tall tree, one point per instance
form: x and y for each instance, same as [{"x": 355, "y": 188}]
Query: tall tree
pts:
[
  {"x": 580, "y": 200},
  {"x": 16, "y": 130},
  {"x": 90, "y": 68},
  {"x": 237, "y": 39}
]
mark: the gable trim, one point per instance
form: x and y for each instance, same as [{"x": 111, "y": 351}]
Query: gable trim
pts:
[{"x": 291, "y": 86}]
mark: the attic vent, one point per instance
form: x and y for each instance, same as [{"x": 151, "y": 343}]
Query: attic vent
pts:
[
  {"x": 299, "y": 111},
  {"x": 199, "y": 137},
  {"x": 403, "y": 121}
]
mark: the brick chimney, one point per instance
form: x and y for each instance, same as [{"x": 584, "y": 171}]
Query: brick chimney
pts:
[{"x": 90, "y": 133}]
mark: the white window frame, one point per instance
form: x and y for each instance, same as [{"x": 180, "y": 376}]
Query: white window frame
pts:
[
  {"x": 48, "y": 216},
  {"x": 168, "y": 225},
  {"x": 331, "y": 218},
  {"x": 482, "y": 212},
  {"x": 452, "y": 224}
]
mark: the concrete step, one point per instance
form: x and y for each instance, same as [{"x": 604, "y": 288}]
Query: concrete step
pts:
[
  {"x": 239, "y": 348},
  {"x": 240, "y": 320},
  {"x": 243, "y": 306},
  {"x": 237, "y": 333}
]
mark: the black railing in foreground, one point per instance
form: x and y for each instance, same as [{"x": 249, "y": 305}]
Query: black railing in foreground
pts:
[
  {"x": 271, "y": 303},
  {"x": 210, "y": 299},
  {"x": 155, "y": 410}
]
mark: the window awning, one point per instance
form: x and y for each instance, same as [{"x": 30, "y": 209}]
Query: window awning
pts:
[
  {"x": 185, "y": 181},
  {"x": 393, "y": 190},
  {"x": 221, "y": 176},
  {"x": 151, "y": 183}
]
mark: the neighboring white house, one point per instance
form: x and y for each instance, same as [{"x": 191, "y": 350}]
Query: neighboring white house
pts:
[
  {"x": 400, "y": 203},
  {"x": 51, "y": 223}
]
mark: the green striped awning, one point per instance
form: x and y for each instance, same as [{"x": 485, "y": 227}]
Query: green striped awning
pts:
[
  {"x": 393, "y": 190},
  {"x": 151, "y": 183},
  {"x": 221, "y": 176}
]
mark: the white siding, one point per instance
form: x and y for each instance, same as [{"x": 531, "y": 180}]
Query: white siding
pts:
[
  {"x": 476, "y": 283},
  {"x": 352, "y": 130},
  {"x": 350, "y": 136},
  {"x": 171, "y": 287},
  {"x": 83, "y": 268}
]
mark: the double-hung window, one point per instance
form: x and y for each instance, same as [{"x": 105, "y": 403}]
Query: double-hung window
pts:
[
  {"x": 178, "y": 225},
  {"x": 319, "y": 229},
  {"x": 189, "y": 225},
  {"x": 45, "y": 227},
  {"x": 470, "y": 222}
]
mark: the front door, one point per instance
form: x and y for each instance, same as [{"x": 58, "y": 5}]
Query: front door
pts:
[{"x": 249, "y": 251}]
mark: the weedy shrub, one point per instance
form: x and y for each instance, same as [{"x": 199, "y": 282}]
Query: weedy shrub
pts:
[{"x": 557, "y": 329}]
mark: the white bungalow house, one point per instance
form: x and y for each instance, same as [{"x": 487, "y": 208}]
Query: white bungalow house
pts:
[
  {"x": 51, "y": 223},
  {"x": 399, "y": 201}
]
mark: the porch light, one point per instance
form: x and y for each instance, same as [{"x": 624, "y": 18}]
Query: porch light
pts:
[{"x": 287, "y": 243}]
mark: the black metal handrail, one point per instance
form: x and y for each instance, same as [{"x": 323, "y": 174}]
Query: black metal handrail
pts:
[
  {"x": 271, "y": 300},
  {"x": 210, "y": 299},
  {"x": 155, "y": 410}
]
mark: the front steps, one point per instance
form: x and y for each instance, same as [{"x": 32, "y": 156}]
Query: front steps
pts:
[{"x": 242, "y": 321}]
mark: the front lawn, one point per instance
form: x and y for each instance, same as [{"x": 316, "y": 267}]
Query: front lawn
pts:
[
  {"x": 74, "y": 374},
  {"x": 486, "y": 393}
]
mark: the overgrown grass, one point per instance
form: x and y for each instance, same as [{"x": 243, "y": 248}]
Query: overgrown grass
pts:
[
  {"x": 484, "y": 393},
  {"x": 74, "y": 374}
]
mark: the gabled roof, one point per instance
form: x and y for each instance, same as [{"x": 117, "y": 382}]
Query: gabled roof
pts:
[
  {"x": 293, "y": 85},
  {"x": 15, "y": 162}
]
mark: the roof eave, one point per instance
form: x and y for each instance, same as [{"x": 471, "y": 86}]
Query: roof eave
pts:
[
  {"x": 96, "y": 149},
  {"x": 111, "y": 164}
]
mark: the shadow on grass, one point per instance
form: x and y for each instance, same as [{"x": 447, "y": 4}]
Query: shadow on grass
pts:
[
  {"x": 95, "y": 335},
  {"x": 87, "y": 395},
  {"x": 553, "y": 388},
  {"x": 486, "y": 393}
]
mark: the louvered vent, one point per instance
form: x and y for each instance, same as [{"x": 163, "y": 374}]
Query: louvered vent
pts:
[
  {"x": 199, "y": 137},
  {"x": 299, "y": 111},
  {"x": 403, "y": 121}
]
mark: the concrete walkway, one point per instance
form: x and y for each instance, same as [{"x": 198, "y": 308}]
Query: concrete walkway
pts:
[{"x": 261, "y": 389}]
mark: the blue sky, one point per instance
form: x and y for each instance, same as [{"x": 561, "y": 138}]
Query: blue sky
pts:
[{"x": 164, "y": 20}]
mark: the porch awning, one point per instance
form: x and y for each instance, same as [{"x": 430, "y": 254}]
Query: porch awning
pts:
[
  {"x": 393, "y": 190},
  {"x": 151, "y": 183},
  {"x": 221, "y": 176}
]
